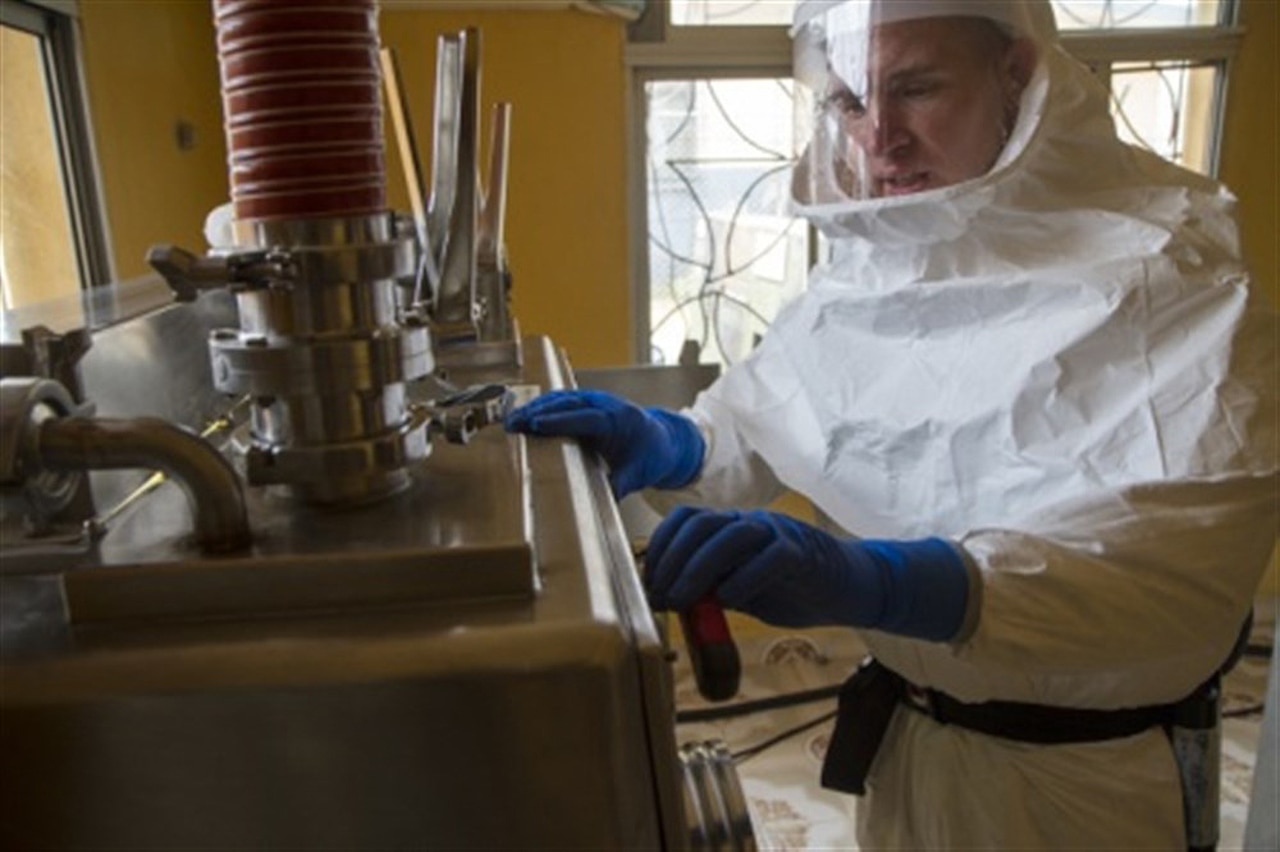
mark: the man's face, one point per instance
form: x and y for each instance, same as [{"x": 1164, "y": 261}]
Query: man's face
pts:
[{"x": 938, "y": 106}]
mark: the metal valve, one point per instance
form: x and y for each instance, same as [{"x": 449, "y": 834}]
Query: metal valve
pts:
[
  {"x": 187, "y": 274},
  {"x": 460, "y": 415}
]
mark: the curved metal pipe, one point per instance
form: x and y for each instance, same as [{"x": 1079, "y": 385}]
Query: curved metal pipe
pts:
[{"x": 210, "y": 483}]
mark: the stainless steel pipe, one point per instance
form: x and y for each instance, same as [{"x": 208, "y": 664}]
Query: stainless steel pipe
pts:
[{"x": 210, "y": 483}]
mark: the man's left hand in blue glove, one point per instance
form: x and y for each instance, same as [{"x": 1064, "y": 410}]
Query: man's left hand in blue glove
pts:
[
  {"x": 788, "y": 573},
  {"x": 643, "y": 447}
]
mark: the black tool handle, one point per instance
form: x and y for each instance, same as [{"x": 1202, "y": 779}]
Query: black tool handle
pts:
[{"x": 712, "y": 652}]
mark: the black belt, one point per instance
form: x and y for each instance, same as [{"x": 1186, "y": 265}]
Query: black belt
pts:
[
  {"x": 1035, "y": 723},
  {"x": 869, "y": 698}
]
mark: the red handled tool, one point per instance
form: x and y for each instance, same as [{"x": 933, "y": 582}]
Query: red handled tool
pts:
[{"x": 712, "y": 652}]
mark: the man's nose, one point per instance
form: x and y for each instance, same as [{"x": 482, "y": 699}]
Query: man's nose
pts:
[{"x": 881, "y": 128}]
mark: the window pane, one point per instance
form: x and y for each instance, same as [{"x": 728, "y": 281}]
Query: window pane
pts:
[
  {"x": 1168, "y": 108},
  {"x": 724, "y": 254},
  {"x": 697, "y": 13},
  {"x": 37, "y": 251},
  {"x": 1117, "y": 14}
]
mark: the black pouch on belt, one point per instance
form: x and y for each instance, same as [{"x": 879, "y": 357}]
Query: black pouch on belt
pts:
[{"x": 865, "y": 706}]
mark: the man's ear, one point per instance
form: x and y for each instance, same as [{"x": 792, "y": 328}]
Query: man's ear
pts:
[{"x": 1020, "y": 64}]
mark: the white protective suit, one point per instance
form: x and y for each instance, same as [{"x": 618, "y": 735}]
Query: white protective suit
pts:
[{"x": 1058, "y": 366}]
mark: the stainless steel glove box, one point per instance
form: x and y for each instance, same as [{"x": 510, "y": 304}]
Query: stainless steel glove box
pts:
[{"x": 468, "y": 664}]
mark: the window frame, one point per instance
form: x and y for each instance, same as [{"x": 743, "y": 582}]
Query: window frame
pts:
[
  {"x": 56, "y": 24},
  {"x": 658, "y": 50}
]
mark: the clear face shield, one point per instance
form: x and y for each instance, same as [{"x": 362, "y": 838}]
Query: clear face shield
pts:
[{"x": 897, "y": 97}]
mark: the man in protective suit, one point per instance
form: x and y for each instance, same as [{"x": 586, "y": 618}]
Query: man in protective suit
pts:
[{"x": 1033, "y": 402}]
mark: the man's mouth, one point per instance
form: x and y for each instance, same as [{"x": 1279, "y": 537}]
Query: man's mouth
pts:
[{"x": 904, "y": 183}]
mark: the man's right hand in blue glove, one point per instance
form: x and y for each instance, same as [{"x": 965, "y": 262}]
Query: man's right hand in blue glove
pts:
[
  {"x": 643, "y": 447},
  {"x": 792, "y": 574}
]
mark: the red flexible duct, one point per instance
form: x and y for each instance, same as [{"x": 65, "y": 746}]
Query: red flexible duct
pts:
[{"x": 302, "y": 105}]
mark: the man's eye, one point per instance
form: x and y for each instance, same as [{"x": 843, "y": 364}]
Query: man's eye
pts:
[{"x": 917, "y": 90}]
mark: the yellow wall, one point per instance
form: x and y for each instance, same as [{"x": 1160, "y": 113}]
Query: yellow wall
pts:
[
  {"x": 150, "y": 64},
  {"x": 566, "y": 204},
  {"x": 1250, "y": 161},
  {"x": 1249, "y": 154}
]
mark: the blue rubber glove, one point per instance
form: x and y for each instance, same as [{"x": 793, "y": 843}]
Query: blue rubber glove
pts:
[
  {"x": 791, "y": 574},
  {"x": 643, "y": 447}
]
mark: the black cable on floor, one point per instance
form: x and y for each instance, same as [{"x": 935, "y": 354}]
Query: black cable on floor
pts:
[
  {"x": 1247, "y": 710},
  {"x": 751, "y": 751},
  {"x": 743, "y": 708},
  {"x": 1257, "y": 649}
]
